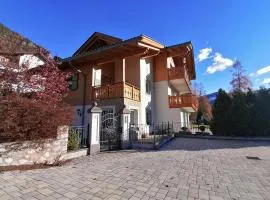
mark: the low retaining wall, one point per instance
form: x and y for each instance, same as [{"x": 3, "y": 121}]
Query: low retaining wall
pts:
[
  {"x": 225, "y": 138},
  {"x": 24, "y": 153}
]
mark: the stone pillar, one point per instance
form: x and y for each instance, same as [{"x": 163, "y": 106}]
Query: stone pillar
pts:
[
  {"x": 94, "y": 129},
  {"x": 125, "y": 124}
]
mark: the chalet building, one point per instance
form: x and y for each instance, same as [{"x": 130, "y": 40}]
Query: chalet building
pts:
[
  {"x": 17, "y": 51},
  {"x": 148, "y": 78}
]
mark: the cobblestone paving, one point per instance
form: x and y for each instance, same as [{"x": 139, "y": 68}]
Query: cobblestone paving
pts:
[{"x": 184, "y": 169}]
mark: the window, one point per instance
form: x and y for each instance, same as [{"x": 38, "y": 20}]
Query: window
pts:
[
  {"x": 148, "y": 116},
  {"x": 96, "y": 81},
  {"x": 73, "y": 82},
  {"x": 148, "y": 84}
]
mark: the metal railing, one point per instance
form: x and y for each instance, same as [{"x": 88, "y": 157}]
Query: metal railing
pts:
[
  {"x": 156, "y": 133},
  {"x": 191, "y": 128},
  {"x": 152, "y": 134}
]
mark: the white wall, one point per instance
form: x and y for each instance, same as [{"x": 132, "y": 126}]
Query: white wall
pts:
[
  {"x": 30, "y": 61},
  {"x": 162, "y": 112},
  {"x": 77, "y": 119},
  {"x": 146, "y": 99},
  {"x": 184, "y": 118}
]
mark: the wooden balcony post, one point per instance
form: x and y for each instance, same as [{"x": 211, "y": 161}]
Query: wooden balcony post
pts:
[
  {"x": 133, "y": 93},
  {"x": 120, "y": 70}
]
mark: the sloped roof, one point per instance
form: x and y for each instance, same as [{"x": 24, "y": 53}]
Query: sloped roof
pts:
[
  {"x": 128, "y": 45},
  {"x": 183, "y": 49},
  {"x": 95, "y": 37},
  {"x": 14, "y": 43}
]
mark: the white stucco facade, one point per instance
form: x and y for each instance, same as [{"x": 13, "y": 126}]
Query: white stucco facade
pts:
[
  {"x": 78, "y": 115},
  {"x": 146, "y": 71},
  {"x": 162, "y": 112}
]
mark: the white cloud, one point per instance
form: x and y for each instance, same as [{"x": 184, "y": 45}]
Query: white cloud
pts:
[
  {"x": 261, "y": 71},
  {"x": 266, "y": 81},
  {"x": 220, "y": 64},
  {"x": 204, "y": 54}
]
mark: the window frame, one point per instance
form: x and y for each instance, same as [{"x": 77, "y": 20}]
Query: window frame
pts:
[{"x": 73, "y": 80}]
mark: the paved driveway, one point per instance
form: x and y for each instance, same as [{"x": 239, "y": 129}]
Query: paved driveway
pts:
[{"x": 184, "y": 169}]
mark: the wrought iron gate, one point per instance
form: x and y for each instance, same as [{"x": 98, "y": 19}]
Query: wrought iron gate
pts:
[{"x": 110, "y": 133}]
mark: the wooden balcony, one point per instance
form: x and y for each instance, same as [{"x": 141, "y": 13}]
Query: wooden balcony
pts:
[
  {"x": 179, "y": 78},
  {"x": 117, "y": 90},
  {"x": 188, "y": 102}
]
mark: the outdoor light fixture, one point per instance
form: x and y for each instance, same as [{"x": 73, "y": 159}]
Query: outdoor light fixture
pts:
[{"x": 79, "y": 113}]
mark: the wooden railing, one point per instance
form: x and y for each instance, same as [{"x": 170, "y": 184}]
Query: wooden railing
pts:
[
  {"x": 185, "y": 100},
  {"x": 178, "y": 73},
  {"x": 117, "y": 90}
]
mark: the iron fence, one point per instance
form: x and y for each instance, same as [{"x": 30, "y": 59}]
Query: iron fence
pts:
[
  {"x": 191, "y": 128},
  {"x": 150, "y": 134},
  {"x": 156, "y": 133}
]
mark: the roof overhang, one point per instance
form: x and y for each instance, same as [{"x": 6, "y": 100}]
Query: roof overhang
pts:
[
  {"x": 141, "y": 45},
  {"x": 184, "y": 50}
]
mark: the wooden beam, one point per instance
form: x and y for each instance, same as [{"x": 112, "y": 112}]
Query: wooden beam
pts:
[
  {"x": 148, "y": 46},
  {"x": 176, "y": 53},
  {"x": 108, "y": 57}
]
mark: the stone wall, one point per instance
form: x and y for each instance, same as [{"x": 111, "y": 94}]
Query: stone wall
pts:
[{"x": 23, "y": 153}]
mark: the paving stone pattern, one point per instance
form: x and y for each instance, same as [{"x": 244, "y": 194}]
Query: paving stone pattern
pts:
[{"x": 184, "y": 169}]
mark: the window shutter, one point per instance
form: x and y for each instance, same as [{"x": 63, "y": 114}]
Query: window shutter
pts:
[{"x": 96, "y": 77}]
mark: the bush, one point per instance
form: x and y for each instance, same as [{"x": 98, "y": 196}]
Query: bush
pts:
[
  {"x": 22, "y": 119},
  {"x": 31, "y": 98},
  {"x": 73, "y": 140}
]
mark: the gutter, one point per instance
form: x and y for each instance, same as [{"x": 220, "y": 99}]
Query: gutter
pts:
[{"x": 84, "y": 89}]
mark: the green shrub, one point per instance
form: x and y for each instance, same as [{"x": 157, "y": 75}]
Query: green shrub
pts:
[{"x": 73, "y": 140}]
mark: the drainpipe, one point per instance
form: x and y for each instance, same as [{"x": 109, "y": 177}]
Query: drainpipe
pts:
[{"x": 84, "y": 89}]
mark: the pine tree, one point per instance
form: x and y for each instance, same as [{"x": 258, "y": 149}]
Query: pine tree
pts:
[
  {"x": 220, "y": 123},
  {"x": 238, "y": 115}
]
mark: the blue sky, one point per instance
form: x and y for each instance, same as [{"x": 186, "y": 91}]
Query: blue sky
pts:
[{"x": 221, "y": 31}]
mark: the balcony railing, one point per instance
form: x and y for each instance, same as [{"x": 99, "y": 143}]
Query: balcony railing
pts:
[
  {"x": 117, "y": 90},
  {"x": 178, "y": 73},
  {"x": 184, "y": 101}
]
